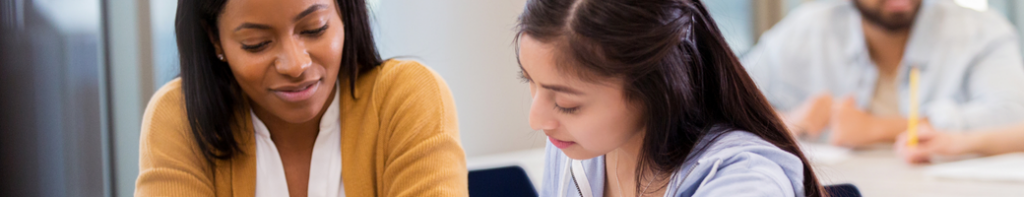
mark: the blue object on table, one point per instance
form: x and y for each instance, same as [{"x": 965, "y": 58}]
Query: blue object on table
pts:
[
  {"x": 842, "y": 190},
  {"x": 498, "y": 182}
]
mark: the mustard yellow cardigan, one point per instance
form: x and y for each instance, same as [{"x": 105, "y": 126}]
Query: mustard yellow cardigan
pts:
[{"x": 399, "y": 137}]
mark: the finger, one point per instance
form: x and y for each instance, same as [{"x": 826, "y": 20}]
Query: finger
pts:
[
  {"x": 916, "y": 155},
  {"x": 924, "y": 136},
  {"x": 901, "y": 141}
]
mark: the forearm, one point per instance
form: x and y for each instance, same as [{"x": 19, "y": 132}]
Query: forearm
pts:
[
  {"x": 996, "y": 141},
  {"x": 888, "y": 128}
]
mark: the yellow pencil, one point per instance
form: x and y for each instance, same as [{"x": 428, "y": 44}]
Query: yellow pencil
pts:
[{"x": 913, "y": 116}]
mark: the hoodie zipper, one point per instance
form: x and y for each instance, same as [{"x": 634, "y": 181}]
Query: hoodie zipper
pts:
[{"x": 574, "y": 182}]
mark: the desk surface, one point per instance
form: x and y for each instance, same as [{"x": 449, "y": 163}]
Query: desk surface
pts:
[{"x": 876, "y": 172}]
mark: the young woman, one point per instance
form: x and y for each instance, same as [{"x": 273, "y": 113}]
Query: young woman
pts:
[
  {"x": 290, "y": 98},
  {"x": 645, "y": 98}
]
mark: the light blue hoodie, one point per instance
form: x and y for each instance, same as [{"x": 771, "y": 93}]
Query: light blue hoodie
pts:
[{"x": 738, "y": 163}]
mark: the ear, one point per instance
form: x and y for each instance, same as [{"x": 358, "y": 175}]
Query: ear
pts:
[{"x": 214, "y": 38}]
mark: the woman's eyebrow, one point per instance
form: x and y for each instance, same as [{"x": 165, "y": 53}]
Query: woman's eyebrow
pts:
[
  {"x": 562, "y": 89},
  {"x": 552, "y": 87},
  {"x": 252, "y": 26},
  {"x": 310, "y": 10}
]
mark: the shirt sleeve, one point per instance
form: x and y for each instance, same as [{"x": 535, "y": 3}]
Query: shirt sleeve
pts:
[
  {"x": 422, "y": 156},
  {"x": 995, "y": 90}
]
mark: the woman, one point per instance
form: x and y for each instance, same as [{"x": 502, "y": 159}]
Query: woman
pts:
[
  {"x": 290, "y": 98},
  {"x": 951, "y": 145},
  {"x": 645, "y": 98}
]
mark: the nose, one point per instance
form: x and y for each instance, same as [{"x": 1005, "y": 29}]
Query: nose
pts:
[
  {"x": 540, "y": 115},
  {"x": 293, "y": 59}
]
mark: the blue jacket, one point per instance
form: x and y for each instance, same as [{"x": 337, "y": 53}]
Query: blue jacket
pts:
[{"x": 738, "y": 163}]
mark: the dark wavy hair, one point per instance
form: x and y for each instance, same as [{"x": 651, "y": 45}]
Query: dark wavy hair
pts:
[
  {"x": 213, "y": 97},
  {"x": 676, "y": 67}
]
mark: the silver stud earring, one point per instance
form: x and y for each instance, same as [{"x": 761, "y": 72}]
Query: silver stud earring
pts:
[{"x": 220, "y": 56}]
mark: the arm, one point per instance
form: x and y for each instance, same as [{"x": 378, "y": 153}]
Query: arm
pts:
[
  {"x": 852, "y": 127},
  {"x": 996, "y": 141},
  {"x": 983, "y": 142},
  {"x": 810, "y": 118},
  {"x": 423, "y": 156},
  {"x": 994, "y": 84},
  {"x": 170, "y": 164}
]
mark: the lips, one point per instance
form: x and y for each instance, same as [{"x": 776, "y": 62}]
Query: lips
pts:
[
  {"x": 298, "y": 92},
  {"x": 898, "y": 5},
  {"x": 560, "y": 144}
]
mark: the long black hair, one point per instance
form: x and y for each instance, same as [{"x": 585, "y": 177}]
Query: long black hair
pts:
[
  {"x": 213, "y": 97},
  {"x": 676, "y": 67}
]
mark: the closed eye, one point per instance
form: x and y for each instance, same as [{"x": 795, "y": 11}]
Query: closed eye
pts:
[
  {"x": 255, "y": 47},
  {"x": 570, "y": 111},
  {"x": 315, "y": 32}
]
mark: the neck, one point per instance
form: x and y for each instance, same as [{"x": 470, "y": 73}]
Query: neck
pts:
[
  {"x": 292, "y": 135},
  {"x": 885, "y": 46},
  {"x": 620, "y": 169}
]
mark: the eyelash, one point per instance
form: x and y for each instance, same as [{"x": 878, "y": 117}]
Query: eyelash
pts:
[
  {"x": 257, "y": 47},
  {"x": 315, "y": 32},
  {"x": 523, "y": 78},
  {"x": 567, "y": 110}
]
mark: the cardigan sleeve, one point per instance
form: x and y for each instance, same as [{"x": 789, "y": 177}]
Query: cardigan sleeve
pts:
[
  {"x": 170, "y": 164},
  {"x": 422, "y": 154}
]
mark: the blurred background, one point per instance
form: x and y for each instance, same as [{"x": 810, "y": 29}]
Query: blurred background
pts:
[{"x": 75, "y": 76}]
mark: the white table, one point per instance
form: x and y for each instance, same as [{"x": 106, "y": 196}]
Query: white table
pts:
[{"x": 876, "y": 172}]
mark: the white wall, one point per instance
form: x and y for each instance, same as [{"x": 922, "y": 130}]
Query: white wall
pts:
[{"x": 469, "y": 42}]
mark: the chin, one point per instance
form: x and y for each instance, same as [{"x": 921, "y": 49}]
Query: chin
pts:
[
  {"x": 578, "y": 153},
  {"x": 299, "y": 115},
  {"x": 304, "y": 112}
]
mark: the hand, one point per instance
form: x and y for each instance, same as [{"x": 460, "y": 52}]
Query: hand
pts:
[
  {"x": 931, "y": 142},
  {"x": 811, "y": 117},
  {"x": 851, "y": 126}
]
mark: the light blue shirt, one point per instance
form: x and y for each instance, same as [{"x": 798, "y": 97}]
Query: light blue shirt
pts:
[
  {"x": 738, "y": 163},
  {"x": 972, "y": 75}
]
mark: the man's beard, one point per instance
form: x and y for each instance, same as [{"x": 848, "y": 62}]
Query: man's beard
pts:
[{"x": 894, "y": 23}]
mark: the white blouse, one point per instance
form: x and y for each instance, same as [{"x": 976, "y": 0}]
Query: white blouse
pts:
[{"x": 324, "y": 168}]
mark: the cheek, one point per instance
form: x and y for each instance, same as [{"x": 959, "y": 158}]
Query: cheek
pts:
[
  {"x": 249, "y": 70},
  {"x": 327, "y": 51},
  {"x": 605, "y": 130}
]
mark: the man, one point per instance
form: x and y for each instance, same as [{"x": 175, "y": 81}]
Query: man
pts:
[{"x": 844, "y": 66}]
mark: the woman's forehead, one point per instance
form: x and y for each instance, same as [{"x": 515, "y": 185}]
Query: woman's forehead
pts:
[
  {"x": 538, "y": 62},
  {"x": 270, "y": 11}
]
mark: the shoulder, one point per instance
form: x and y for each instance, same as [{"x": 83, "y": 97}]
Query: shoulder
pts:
[
  {"x": 740, "y": 162},
  {"x": 396, "y": 79},
  {"x": 957, "y": 22},
  {"x": 165, "y": 114},
  {"x": 739, "y": 145},
  {"x": 166, "y": 138},
  {"x": 412, "y": 97}
]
